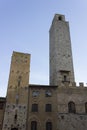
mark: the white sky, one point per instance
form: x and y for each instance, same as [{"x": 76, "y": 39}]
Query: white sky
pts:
[{"x": 24, "y": 27}]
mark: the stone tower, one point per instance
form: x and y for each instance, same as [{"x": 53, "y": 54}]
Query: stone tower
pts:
[
  {"x": 61, "y": 63},
  {"x": 16, "y": 104}
]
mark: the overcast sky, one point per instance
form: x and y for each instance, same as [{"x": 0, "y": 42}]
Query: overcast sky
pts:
[{"x": 24, "y": 27}]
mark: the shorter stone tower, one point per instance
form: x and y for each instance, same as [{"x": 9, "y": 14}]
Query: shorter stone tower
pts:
[
  {"x": 61, "y": 63},
  {"x": 16, "y": 106}
]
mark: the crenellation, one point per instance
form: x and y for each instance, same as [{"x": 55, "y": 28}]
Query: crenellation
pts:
[
  {"x": 74, "y": 84},
  {"x": 81, "y": 84}
]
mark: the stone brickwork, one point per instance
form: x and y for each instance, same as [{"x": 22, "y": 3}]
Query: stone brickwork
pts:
[
  {"x": 9, "y": 118},
  {"x": 67, "y": 94},
  {"x": 59, "y": 98},
  {"x": 2, "y": 109},
  {"x": 61, "y": 64},
  {"x": 72, "y": 122},
  {"x": 19, "y": 70},
  {"x": 44, "y": 95},
  {"x": 17, "y": 93}
]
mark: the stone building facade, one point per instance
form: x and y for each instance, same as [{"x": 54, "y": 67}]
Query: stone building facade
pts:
[{"x": 59, "y": 106}]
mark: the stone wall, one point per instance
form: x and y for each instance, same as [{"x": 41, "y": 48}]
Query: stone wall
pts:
[
  {"x": 41, "y": 116},
  {"x": 9, "y": 118},
  {"x": 15, "y": 115},
  {"x": 2, "y": 109},
  {"x": 76, "y": 120},
  {"x": 72, "y": 122}
]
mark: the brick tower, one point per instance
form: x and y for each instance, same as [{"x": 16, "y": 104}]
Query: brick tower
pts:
[
  {"x": 17, "y": 93},
  {"x": 61, "y": 63}
]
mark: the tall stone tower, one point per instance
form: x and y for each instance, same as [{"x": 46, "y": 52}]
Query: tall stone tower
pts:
[
  {"x": 61, "y": 63},
  {"x": 17, "y": 93}
]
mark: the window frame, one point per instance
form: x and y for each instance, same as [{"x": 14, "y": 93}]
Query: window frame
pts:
[
  {"x": 71, "y": 107},
  {"x": 48, "y": 125},
  {"x": 34, "y": 107},
  {"x": 1, "y": 105},
  {"x": 48, "y": 93},
  {"x": 35, "y": 93},
  {"x": 48, "y": 108},
  {"x": 33, "y": 125},
  {"x": 86, "y": 107}
]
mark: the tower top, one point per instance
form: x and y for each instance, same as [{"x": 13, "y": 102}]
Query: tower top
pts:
[{"x": 59, "y": 17}]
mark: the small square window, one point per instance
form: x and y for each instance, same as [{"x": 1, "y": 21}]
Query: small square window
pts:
[
  {"x": 1, "y": 105},
  {"x": 35, "y": 93},
  {"x": 34, "y": 107},
  {"x": 48, "y": 93},
  {"x": 48, "y": 108}
]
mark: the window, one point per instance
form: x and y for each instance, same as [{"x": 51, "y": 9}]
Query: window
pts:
[
  {"x": 33, "y": 125},
  {"x": 35, "y": 93},
  {"x": 48, "y": 108},
  {"x": 86, "y": 107},
  {"x": 14, "y": 128},
  {"x": 60, "y": 18},
  {"x": 34, "y": 107},
  {"x": 48, "y": 93},
  {"x": 48, "y": 125},
  {"x": 71, "y": 107},
  {"x": 1, "y": 105},
  {"x": 19, "y": 80},
  {"x": 65, "y": 75},
  {"x": 15, "y": 117},
  {"x": 65, "y": 78}
]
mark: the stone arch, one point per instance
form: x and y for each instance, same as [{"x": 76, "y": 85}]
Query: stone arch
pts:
[
  {"x": 48, "y": 124},
  {"x": 33, "y": 125},
  {"x": 34, "y": 119}
]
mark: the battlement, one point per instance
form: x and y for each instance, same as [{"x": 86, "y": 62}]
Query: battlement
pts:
[{"x": 72, "y": 85}]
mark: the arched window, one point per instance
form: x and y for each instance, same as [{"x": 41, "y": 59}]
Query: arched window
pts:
[
  {"x": 86, "y": 107},
  {"x": 71, "y": 107},
  {"x": 14, "y": 128},
  {"x": 33, "y": 125},
  {"x": 48, "y": 125}
]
